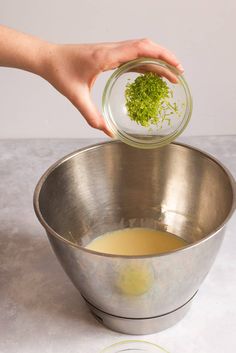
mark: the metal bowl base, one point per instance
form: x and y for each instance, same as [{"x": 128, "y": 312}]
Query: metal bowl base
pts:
[{"x": 140, "y": 326}]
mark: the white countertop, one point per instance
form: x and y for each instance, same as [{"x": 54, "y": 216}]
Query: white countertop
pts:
[{"x": 40, "y": 309}]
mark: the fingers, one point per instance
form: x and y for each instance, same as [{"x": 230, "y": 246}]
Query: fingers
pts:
[
  {"x": 146, "y": 48},
  {"x": 167, "y": 56},
  {"x": 82, "y": 101}
]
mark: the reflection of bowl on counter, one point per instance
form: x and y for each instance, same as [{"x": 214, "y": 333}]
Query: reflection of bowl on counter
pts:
[
  {"x": 111, "y": 186},
  {"x": 134, "y": 346}
]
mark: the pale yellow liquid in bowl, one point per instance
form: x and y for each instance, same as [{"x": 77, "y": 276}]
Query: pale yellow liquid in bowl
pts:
[
  {"x": 136, "y": 241},
  {"x": 136, "y": 279}
]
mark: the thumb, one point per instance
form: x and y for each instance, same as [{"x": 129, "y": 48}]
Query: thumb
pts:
[{"x": 83, "y": 102}]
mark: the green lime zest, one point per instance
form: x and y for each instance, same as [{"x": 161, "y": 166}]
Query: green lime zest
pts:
[{"x": 148, "y": 100}]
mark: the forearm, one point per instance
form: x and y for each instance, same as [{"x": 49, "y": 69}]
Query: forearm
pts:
[
  {"x": 22, "y": 51},
  {"x": 73, "y": 69}
]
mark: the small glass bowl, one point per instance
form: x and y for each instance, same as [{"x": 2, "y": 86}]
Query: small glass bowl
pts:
[
  {"x": 134, "y": 346},
  {"x": 116, "y": 114}
]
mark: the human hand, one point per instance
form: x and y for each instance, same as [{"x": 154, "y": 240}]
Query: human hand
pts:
[{"x": 73, "y": 69}]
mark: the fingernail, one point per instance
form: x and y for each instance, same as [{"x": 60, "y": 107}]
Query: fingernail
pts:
[{"x": 180, "y": 68}]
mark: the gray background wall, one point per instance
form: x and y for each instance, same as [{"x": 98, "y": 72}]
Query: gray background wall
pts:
[{"x": 201, "y": 33}]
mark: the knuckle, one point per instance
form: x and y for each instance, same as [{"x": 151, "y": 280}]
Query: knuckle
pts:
[
  {"x": 143, "y": 43},
  {"x": 146, "y": 41},
  {"x": 98, "y": 55},
  {"x": 103, "y": 59},
  {"x": 93, "y": 123}
]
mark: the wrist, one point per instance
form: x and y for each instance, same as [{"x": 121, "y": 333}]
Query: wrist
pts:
[{"x": 44, "y": 58}]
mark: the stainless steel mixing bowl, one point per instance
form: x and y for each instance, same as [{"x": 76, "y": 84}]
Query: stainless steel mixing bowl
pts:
[{"x": 111, "y": 186}]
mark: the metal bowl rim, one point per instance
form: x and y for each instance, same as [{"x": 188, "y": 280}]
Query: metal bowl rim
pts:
[{"x": 100, "y": 145}]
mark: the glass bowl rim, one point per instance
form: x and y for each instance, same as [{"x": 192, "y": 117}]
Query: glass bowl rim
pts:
[{"x": 122, "y": 135}]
